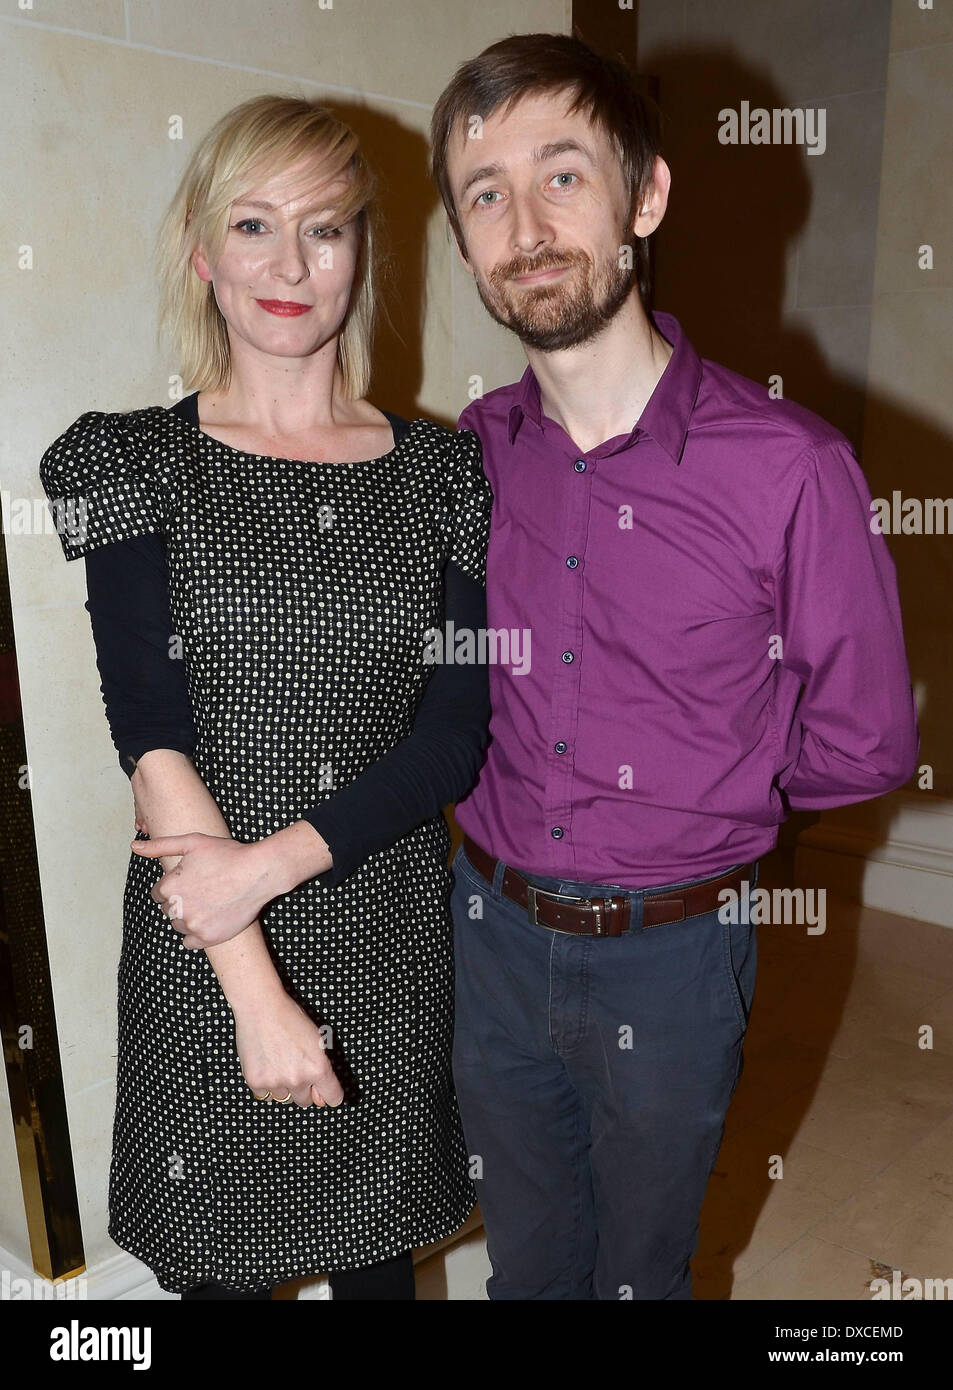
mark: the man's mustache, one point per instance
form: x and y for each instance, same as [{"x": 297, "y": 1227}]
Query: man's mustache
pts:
[{"x": 547, "y": 261}]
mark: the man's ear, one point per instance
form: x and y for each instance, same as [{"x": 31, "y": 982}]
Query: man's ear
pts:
[{"x": 652, "y": 209}]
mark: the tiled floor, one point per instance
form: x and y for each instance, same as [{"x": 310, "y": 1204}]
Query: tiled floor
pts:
[{"x": 837, "y": 1086}]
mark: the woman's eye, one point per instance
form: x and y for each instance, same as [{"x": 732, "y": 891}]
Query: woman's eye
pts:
[
  {"x": 321, "y": 233},
  {"x": 488, "y": 193},
  {"x": 564, "y": 176}
]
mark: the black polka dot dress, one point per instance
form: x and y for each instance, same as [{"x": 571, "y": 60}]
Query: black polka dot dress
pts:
[{"x": 301, "y": 593}]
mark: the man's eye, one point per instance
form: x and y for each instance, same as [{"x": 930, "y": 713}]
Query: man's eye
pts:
[{"x": 564, "y": 176}]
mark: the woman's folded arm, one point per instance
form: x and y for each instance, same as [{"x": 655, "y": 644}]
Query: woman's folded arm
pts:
[
  {"x": 150, "y": 718},
  {"x": 149, "y": 712},
  {"x": 436, "y": 764}
]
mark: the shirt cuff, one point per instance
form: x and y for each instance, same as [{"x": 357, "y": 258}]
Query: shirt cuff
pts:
[
  {"x": 347, "y": 856},
  {"x": 130, "y": 753}
]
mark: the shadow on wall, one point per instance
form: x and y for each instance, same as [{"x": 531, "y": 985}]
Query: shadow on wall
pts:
[
  {"x": 407, "y": 202},
  {"x": 725, "y": 264}
]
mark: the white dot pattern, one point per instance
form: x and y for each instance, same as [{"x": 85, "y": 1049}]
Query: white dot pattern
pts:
[{"x": 302, "y": 593}]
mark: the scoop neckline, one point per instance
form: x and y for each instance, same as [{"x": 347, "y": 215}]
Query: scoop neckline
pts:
[{"x": 275, "y": 458}]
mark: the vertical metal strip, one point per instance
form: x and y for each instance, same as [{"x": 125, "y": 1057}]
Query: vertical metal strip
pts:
[{"x": 27, "y": 1020}]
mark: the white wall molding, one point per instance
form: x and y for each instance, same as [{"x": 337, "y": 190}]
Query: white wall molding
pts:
[
  {"x": 455, "y": 1268},
  {"x": 894, "y": 853},
  {"x": 121, "y": 1276}
]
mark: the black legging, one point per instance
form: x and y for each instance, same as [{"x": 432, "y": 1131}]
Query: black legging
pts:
[{"x": 389, "y": 1279}]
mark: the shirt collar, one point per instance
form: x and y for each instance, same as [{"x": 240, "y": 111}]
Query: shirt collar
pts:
[{"x": 668, "y": 411}]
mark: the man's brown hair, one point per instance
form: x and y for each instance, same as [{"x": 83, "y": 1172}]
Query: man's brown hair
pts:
[{"x": 532, "y": 64}]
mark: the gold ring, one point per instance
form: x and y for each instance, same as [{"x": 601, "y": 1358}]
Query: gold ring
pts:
[
  {"x": 282, "y": 1100},
  {"x": 266, "y": 1096}
]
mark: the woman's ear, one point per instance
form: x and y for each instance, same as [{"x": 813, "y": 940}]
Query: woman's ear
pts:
[{"x": 200, "y": 265}]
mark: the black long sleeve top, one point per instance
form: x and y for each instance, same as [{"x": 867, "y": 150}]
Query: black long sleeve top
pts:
[{"x": 148, "y": 704}]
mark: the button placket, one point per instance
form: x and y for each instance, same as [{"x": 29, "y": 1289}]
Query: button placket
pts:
[{"x": 565, "y": 702}]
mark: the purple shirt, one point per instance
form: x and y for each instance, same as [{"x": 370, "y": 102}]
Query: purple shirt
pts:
[{"x": 714, "y": 632}]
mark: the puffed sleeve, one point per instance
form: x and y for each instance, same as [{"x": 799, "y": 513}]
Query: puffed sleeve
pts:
[
  {"x": 469, "y": 502},
  {"x": 101, "y": 483}
]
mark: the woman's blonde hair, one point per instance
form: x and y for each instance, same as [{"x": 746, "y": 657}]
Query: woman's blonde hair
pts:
[{"x": 260, "y": 138}]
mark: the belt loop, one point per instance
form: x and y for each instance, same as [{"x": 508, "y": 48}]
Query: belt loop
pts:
[
  {"x": 636, "y": 910},
  {"x": 498, "y": 875}
]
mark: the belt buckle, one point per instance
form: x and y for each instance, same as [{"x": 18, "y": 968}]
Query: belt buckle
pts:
[{"x": 533, "y": 892}]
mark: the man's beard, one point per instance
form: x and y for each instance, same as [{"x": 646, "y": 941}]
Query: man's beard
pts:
[{"x": 561, "y": 314}]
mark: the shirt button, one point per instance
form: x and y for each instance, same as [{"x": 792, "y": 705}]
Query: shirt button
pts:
[
  {"x": 580, "y": 465},
  {"x": 560, "y": 747},
  {"x": 557, "y": 832},
  {"x": 567, "y": 657},
  {"x": 572, "y": 561}
]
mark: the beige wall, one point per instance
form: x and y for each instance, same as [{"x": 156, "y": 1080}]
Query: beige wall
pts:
[
  {"x": 766, "y": 252},
  {"x": 897, "y": 854},
  {"x": 908, "y": 429},
  {"x": 807, "y": 266},
  {"x": 88, "y": 89}
]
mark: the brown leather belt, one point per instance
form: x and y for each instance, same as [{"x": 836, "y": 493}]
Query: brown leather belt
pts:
[{"x": 606, "y": 916}]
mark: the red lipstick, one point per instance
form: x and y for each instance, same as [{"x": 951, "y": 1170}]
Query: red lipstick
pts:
[{"x": 284, "y": 308}]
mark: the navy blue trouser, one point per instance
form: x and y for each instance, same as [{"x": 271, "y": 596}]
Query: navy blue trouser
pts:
[{"x": 593, "y": 1076}]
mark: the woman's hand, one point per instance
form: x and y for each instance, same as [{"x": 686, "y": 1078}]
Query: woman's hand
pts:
[
  {"x": 282, "y": 1050},
  {"x": 220, "y": 885},
  {"x": 216, "y": 890}
]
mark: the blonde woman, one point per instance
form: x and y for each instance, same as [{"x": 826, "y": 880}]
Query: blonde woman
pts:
[{"x": 266, "y": 564}]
